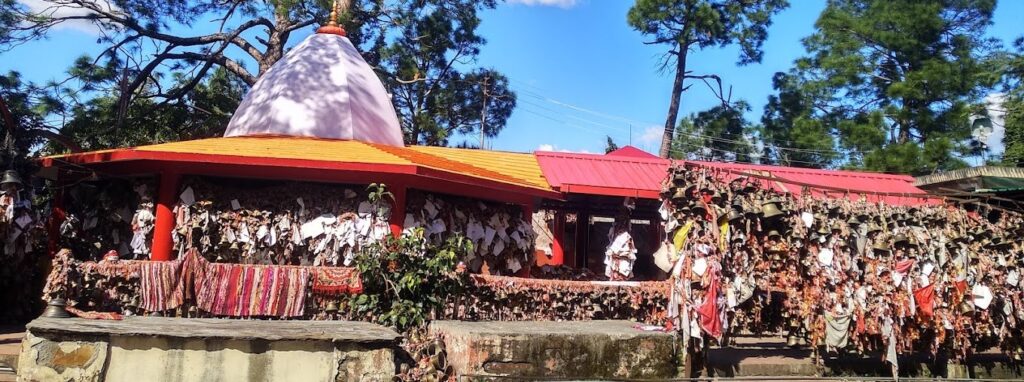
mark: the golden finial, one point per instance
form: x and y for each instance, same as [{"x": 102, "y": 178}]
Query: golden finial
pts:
[{"x": 332, "y": 26}]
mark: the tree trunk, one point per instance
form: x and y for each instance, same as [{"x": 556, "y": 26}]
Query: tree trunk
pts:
[{"x": 673, "y": 106}]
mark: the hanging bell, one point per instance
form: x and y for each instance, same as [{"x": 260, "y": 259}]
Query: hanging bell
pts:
[
  {"x": 332, "y": 307},
  {"x": 698, "y": 209},
  {"x": 11, "y": 177},
  {"x": 770, "y": 209},
  {"x": 966, "y": 307},
  {"x": 773, "y": 234},
  {"x": 735, "y": 216},
  {"x": 881, "y": 246},
  {"x": 874, "y": 228},
  {"x": 679, "y": 195},
  {"x": 791, "y": 341},
  {"x": 55, "y": 309},
  {"x": 679, "y": 179},
  {"x": 723, "y": 217},
  {"x": 1018, "y": 354}
]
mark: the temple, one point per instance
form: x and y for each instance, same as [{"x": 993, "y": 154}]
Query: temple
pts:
[
  {"x": 657, "y": 256},
  {"x": 321, "y": 115}
]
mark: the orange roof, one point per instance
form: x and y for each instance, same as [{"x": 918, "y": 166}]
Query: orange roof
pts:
[
  {"x": 520, "y": 167},
  {"x": 280, "y": 147},
  {"x": 515, "y": 169}
]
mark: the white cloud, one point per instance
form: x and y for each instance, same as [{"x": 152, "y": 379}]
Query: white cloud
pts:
[
  {"x": 564, "y": 4},
  {"x": 550, "y": 147},
  {"x": 53, "y": 9},
  {"x": 651, "y": 135}
]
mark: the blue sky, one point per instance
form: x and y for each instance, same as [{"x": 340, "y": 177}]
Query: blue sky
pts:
[{"x": 581, "y": 73}]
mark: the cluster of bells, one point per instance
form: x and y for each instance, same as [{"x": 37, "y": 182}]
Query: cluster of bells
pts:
[
  {"x": 689, "y": 198},
  {"x": 430, "y": 360}
]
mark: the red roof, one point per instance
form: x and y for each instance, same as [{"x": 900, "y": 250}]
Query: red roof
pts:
[
  {"x": 640, "y": 176},
  {"x": 612, "y": 175},
  {"x": 630, "y": 151},
  {"x": 890, "y": 188}
]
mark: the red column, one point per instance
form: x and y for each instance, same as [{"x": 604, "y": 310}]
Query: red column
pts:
[
  {"x": 557, "y": 235},
  {"x": 167, "y": 195},
  {"x": 397, "y": 220}
]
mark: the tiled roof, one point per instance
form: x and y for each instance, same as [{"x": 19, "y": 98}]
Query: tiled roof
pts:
[
  {"x": 282, "y": 148},
  {"x": 520, "y": 170}
]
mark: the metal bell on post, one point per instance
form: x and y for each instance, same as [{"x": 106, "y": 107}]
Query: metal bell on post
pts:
[
  {"x": 55, "y": 309},
  {"x": 11, "y": 177}
]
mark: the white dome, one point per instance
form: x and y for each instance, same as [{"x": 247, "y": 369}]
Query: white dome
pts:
[{"x": 322, "y": 88}]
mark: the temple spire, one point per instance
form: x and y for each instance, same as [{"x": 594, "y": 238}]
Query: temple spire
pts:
[{"x": 332, "y": 26}]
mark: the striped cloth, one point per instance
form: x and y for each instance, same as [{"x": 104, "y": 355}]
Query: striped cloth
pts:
[
  {"x": 239, "y": 290},
  {"x": 158, "y": 284}
]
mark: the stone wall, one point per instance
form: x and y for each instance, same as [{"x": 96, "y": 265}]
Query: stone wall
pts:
[
  {"x": 112, "y": 354},
  {"x": 585, "y": 350}
]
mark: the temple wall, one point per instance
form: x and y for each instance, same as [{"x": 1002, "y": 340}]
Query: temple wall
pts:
[
  {"x": 110, "y": 355},
  {"x": 503, "y": 239}
]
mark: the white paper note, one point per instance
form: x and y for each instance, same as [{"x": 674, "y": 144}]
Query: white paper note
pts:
[{"x": 188, "y": 197}]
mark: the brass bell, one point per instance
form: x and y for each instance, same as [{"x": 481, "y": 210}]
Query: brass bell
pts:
[
  {"x": 332, "y": 307},
  {"x": 966, "y": 307},
  {"x": 698, "y": 209},
  {"x": 55, "y": 309},
  {"x": 791, "y": 341},
  {"x": 679, "y": 195},
  {"x": 900, "y": 239},
  {"x": 774, "y": 234},
  {"x": 723, "y": 217},
  {"x": 823, "y": 230},
  {"x": 837, "y": 226},
  {"x": 679, "y": 179},
  {"x": 1018, "y": 354},
  {"x": 770, "y": 209},
  {"x": 11, "y": 177},
  {"x": 880, "y": 246},
  {"x": 735, "y": 216}
]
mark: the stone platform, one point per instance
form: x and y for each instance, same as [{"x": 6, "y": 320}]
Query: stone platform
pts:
[
  {"x": 585, "y": 350},
  {"x": 182, "y": 349}
]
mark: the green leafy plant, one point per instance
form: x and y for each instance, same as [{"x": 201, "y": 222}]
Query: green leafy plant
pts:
[{"x": 406, "y": 279}]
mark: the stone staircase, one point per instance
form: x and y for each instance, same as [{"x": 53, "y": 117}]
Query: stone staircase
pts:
[
  {"x": 752, "y": 357},
  {"x": 10, "y": 347}
]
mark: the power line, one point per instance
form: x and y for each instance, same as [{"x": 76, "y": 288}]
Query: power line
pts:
[{"x": 690, "y": 134}]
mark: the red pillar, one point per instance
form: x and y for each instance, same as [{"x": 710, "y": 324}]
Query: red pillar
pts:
[
  {"x": 557, "y": 235},
  {"x": 167, "y": 196},
  {"x": 397, "y": 220}
]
